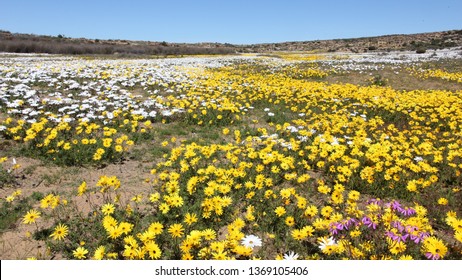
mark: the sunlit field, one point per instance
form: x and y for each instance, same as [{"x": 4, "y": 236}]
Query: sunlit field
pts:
[{"x": 256, "y": 156}]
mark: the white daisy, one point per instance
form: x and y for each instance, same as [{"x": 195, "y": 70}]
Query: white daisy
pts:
[
  {"x": 324, "y": 242},
  {"x": 291, "y": 256},
  {"x": 251, "y": 241}
]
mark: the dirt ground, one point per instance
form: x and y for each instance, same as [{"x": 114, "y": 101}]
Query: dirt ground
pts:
[{"x": 33, "y": 176}]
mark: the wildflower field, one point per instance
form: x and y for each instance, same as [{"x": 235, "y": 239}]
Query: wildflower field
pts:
[{"x": 255, "y": 156}]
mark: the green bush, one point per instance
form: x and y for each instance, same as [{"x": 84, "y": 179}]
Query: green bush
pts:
[{"x": 421, "y": 50}]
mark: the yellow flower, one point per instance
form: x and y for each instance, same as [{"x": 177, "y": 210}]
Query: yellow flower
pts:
[
  {"x": 219, "y": 255},
  {"x": 280, "y": 211},
  {"x": 114, "y": 231},
  {"x": 243, "y": 250},
  {"x": 31, "y": 216},
  {"x": 153, "y": 250},
  {"x": 189, "y": 218},
  {"x": 458, "y": 236},
  {"x": 397, "y": 247},
  {"x": 412, "y": 186},
  {"x": 326, "y": 211},
  {"x": 285, "y": 193},
  {"x": 125, "y": 227},
  {"x": 308, "y": 230},
  {"x": 176, "y": 230},
  {"x": 209, "y": 234},
  {"x": 80, "y": 253},
  {"x": 137, "y": 198},
  {"x": 337, "y": 197},
  {"x": 187, "y": 257},
  {"x": 164, "y": 208},
  {"x": 156, "y": 228},
  {"x": 298, "y": 234},
  {"x": 353, "y": 195},
  {"x": 67, "y": 146},
  {"x": 128, "y": 210},
  {"x": 355, "y": 233},
  {"x": 176, "y": 201},
  {"x": 434, "y": 248},
  {"x": 60, "y": 232},
  {"x": 154, "y": 197},
  {"x": 47, "y": 201},
  {"x": 406, "y": 257},
  {"x": 99, "y": 253},
  {"x": 324, "y": 189},
  {"x": 290, "y": 221},
  {"x": 107, "y": 142},
  {"x": 109, "y": 222},
  {"x": 442, "y": 201},
  {"x": 108, "y": 209},
  {"x": 97, "y": 157}
]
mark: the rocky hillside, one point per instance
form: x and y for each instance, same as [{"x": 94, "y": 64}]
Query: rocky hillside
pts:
[
  {"x": 433, "y": 40},
  {"x": 13, "y": 42}
]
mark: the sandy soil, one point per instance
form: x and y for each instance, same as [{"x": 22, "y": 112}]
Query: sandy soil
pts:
[{"x": 34, "y": 176}]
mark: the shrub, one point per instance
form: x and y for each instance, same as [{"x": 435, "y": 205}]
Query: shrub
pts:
[{"x": 421, "y": 50}]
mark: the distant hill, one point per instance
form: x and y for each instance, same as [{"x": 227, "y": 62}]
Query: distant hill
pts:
[
  {"x": 31, "y": 43},
  {"x": 431, "y": 40},
  {"x": 28, "y": 43}
]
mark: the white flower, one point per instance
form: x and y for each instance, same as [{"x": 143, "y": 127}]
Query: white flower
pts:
[
  {"x": 287, "y": 145},
  {"x": 292, "y": 129},
  {"x": 270, "y": 114},
  {"x": 417, "y": 158},
  {"x": 251, "y": 241},
  {"x": 167, "y": 113},
  {"x": 266, "y": 109},
  {"x": 291, "y": 256},
  {"x": 324, "y": 242}
]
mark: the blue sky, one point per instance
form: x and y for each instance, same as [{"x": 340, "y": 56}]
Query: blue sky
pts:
[{"x": 237, "y": 22}]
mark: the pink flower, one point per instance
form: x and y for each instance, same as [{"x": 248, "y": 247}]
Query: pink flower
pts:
[{"x": 368, "y": 222}]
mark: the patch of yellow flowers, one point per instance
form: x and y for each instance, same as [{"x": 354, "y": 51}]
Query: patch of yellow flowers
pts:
[{"x": 317, "y": 178}]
